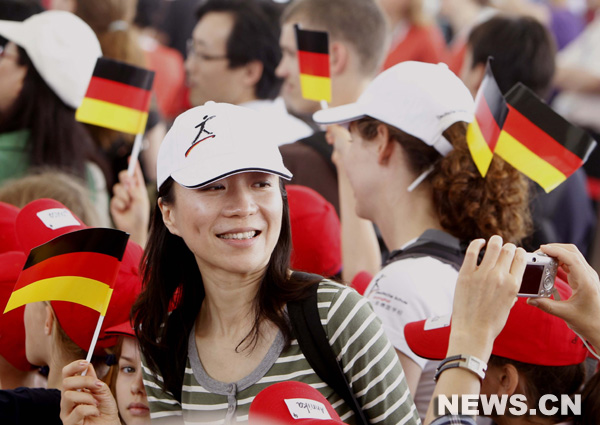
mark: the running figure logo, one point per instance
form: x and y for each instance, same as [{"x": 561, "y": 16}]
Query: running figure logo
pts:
[{"x": 199, "y": 137}]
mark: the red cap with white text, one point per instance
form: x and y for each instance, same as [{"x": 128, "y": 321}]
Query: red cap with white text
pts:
[
  {"x": 292, "y": 403},
  {"x": 45, "y": 219}
]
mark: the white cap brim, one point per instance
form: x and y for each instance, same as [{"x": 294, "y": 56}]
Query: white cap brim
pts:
[
  {"x": 14, "y": 31},
  {"x": 339, "y": 114},
  {"x": 193, "y": 177}
]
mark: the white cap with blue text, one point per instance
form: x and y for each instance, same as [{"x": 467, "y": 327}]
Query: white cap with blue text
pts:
[
  {"x": 421, "y": 99},
  {"x": 216, "y": 140}
]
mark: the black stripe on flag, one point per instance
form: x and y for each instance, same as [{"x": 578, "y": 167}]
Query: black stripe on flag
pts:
[
  {"x": 124, "y": 73},
  {"x": 312, "y": 41},
  {"x": 100, "y": 240}
]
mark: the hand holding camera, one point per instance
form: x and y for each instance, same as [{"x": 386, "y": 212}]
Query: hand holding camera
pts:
[
  {"x": 582, "y": 309},
  {"x": 485, "y": 292}
]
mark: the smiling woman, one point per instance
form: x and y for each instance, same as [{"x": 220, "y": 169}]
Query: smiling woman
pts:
[{"x": 212, "y": 321}]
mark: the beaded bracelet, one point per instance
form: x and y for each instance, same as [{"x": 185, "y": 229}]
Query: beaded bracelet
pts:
[{"x": 470, "y": 363}]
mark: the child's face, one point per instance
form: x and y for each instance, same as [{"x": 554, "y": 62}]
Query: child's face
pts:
[{"x": 129, "y": 388}]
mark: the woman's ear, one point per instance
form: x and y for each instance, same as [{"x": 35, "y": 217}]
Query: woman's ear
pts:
[
  {"x": 385, "y": 145},
  {"x": 168, "y": 216}
]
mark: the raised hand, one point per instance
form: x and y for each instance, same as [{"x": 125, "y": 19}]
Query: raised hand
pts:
[{"x": 86, "y": 400}]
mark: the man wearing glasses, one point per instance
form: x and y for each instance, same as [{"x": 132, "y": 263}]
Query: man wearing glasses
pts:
[{"x": 232, "y": 57}]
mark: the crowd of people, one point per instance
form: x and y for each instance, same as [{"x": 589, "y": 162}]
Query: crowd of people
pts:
[{"x": 289, "y": 260}]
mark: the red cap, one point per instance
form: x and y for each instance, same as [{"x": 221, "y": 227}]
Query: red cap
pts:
[
  {"x": 12, "y": 329},
  {"x": 316, "y": 232},
  {"x": 529, "y": 336},
  {"x": 43, "y": 220},
  {"x": 293, "y": 403},
  {"x": 125, "y": 328},
  {"x": 8, "y": 234}
]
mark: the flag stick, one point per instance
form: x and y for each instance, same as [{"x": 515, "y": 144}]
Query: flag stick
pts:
[
  {"x": 93, "y": 344},
  {"x": 324, "y": 104},
  {"x": 135, "y": 152}
]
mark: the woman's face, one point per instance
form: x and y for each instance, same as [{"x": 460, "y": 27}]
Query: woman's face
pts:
[
  {"x": 231, "y": 225},
  {"x": 359, "y": 159},
  {"x": 12, "y": 75},
  {"x": 129, "y": 388}
]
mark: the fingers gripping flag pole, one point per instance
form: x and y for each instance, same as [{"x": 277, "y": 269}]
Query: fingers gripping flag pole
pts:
[
  {"x": 79, "y": 267},
  {"x": 313, "y": 61},
  {"x": 525, "y": 132},
  {"x": 118, "y": 97}
]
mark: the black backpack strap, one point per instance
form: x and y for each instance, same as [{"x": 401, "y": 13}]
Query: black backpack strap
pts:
[
  {"x": 436, "y": 244},
  {"x": 313, "y": 341}
]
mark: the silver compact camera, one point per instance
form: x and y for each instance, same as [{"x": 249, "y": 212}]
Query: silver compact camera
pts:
[{"x": 538, "y": 280}]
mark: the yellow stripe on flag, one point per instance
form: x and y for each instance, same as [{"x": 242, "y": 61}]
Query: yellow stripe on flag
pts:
[
  {"x": 480, "y": 151},
  {"x": 527, "y": 162},
  {"x": 315, "y": 88},
  {"x": 88, "y": 292},
  {"x": 111, "y": 115}
]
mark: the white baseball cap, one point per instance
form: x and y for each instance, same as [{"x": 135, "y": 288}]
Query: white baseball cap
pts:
[
  {"x": 216, "y": 140},
  {"x": 421, "y": 99},
  {"x": 63, "y": 49}
]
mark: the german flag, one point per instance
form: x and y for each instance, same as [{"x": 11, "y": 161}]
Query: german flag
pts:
[
  {"x": 313, "y": 60},
  {"x": 79, "y": 267},
  {"x": 490, "y": 114},
  {"x": 539, "y": 142},
  {"x": 118, "y": 97}
]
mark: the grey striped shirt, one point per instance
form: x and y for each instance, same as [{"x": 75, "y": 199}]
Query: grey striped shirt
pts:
[{"x": 357, "y": 338}]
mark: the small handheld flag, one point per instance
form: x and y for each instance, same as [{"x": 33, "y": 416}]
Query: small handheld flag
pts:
[
  {"x": 525, "y": 132},
  {"x": 79, "y": 267},
  {"x": 539, "y": 142},
  {"x": 118, "y": 97},
  {"x": 490, "y": 114},
  {"x": 313, "y": 60}
]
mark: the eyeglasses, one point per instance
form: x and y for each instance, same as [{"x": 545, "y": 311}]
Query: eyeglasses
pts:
[{"x": 192, "y": 52}]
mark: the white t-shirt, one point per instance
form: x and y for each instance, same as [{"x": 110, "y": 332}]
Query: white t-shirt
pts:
[{"x": 408, "y": 290}]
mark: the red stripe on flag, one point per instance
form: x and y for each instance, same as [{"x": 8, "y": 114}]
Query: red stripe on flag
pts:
[
  {"x": 540, "y": 143},
  {"x": 487, "y": 123},
  {"x": 119, "y": 93},
  {"x": 100, "y": 267},
  {"x": 313, "y": 63}
]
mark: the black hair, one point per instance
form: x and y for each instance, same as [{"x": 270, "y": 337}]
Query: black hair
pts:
[
  {"x": 172, "y": 281},
  {"x": 254, "y": 37},
  {"x": 522, "y": 48}
]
